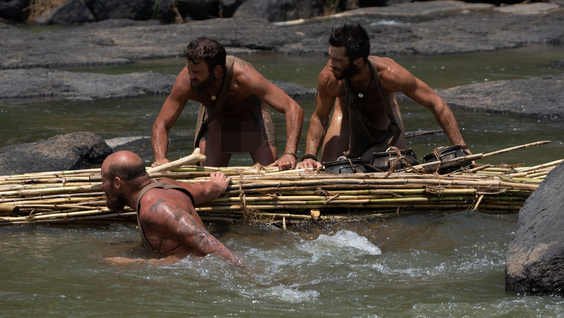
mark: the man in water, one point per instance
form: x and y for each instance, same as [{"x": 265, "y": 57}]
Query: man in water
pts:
[
  {"x": 234, "y": 115},
  {"x": 167, "y": 220},
  {"x": 366, "y": 118}
]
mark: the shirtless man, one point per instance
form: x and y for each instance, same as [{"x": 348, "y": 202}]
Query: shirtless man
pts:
[
  {"x": 366, "y": 118},
  {"x": 167, "y": 220},
  {"x": 235, "y": 116}
]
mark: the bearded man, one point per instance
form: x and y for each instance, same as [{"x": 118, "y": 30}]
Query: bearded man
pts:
[
  {"x": 362, "y": 88},
  {"x": 166, "y": 214},
  {"x": 234, "y": 115}
]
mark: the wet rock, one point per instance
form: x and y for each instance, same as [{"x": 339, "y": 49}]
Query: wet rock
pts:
[
  {"x": 558, "y": 63},
  {"x": 538, "y": 97},
  {"x": 40, "y": 82},
  {"x": 535, "y": 257},
  {"x": 80, "y": 150},
  {"x": 295, "y": 90},
  {"x": 72, "y": 11},
  {"x": 14, "y": 9}
]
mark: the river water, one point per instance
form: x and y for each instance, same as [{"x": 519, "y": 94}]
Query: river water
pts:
[{"x": 420, "y": 265}]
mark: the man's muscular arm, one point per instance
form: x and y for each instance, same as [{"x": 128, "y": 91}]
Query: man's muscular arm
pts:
[
  {"x": 320, "y": 118},
  {"x": 251, "y": 81},
  {"x": 395, "y": 78},
  {"x": 170, "y": 111},
  {"x": 167, "y": 220}
]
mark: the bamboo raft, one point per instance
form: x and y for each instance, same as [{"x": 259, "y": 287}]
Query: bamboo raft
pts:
[{"x": 263, "y": 194}]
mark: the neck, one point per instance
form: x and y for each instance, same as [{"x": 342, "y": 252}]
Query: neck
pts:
[
  {"x": 363, "y": 76},
  {"x": 134, "y": 195}
]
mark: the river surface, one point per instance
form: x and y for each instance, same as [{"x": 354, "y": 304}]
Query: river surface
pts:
[{"x": 420, "y": 265}]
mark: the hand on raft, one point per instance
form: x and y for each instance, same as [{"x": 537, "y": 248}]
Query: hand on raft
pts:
[
  {"x": 309, "y": 164},
  {"x": 286, "y": 162}
]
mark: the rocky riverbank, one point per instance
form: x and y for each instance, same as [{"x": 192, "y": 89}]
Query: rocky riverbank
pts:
[{"x": 430, "y": 28}]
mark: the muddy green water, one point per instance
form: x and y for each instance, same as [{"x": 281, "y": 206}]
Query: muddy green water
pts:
[{"x": 422, "y": 265}]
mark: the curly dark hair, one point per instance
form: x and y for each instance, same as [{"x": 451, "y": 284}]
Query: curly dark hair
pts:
[
  {"x": 207, "y": 50},
  {"x": 354, "y": 38}
]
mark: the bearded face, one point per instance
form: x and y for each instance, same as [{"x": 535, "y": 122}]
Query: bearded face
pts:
[
  {"x": 199, "y": 87},
  {"x": 347, "y": 72},
  {"x": 113, "y": 200}
]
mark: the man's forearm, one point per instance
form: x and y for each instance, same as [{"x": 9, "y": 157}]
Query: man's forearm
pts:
[
  {"x": 159, "y": 143},
  {"x": 448, "y": 123},
  {"x": 294, "y": 121},
  {"x": 315, "y": 135}
]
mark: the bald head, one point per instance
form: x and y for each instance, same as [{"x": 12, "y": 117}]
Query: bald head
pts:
[{"x": 127, "y": 166}]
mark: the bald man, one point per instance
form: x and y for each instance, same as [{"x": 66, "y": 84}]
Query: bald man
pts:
[{"x": 166, "y": 217}]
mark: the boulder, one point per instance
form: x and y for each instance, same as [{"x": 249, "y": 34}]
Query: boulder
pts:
[
  {"x": 227, "y": 7},
  {"x": 535, "y": 257},
  {"x": 199, "y": 9},
  {"x": 14, "y": 9},
  {"x": 71, "y": 12},
  {"x": 119, "y": 9},
  {"x": 308, "y": 9},
  {"x": 80, "y": 150},
  {"x": 271, "y": 10}
]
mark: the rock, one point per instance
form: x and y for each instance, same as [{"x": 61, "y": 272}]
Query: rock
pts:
[
  {"x": 308, "y": 9},
  {"x": 528, "y": 8},
  {"x": 558, "y": 63},
  {"x": 80, "y": 150},
  {"x": 535, "y": 257},
  {"x": 380, "y": 3},
  {"x": 228, "y": 7},
  {"x": 541, "y": 96},
  {"x": 271, "y": 10},
  {"x": 199, "y": 9},
  {"x": 295, "y": 90},
  {"x": 119, "y": 9},
  {"x": 72, "y": 11},
  {"x": 40, "y": 82},
  {"x": 14, "y": 9}
]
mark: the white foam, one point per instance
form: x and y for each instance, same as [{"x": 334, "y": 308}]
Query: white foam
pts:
[{"x": 341, "y": 239}]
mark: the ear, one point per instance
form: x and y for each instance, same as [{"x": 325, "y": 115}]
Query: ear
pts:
[
  {"x": 217, "y": 70},
  {"x": 118, "y": 182},
  {"x": 358, "y": 62}
]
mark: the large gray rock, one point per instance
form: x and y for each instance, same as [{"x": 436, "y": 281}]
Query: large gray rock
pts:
[
  {"x": 271, "y": 10},
  {"x": 39, "y": 82},
  {"x": 72, "y": 151},
  {"x": 228, "y": 7},
  {"x": 71, "y": 12},
  {"x": 541, "y": 96},
  {"x": 14, "y": 9},
  {"x": 535, "y": 257},
  {"x": 119, "y": 9}
]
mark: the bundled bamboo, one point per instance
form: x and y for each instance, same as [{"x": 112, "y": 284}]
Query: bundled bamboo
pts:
[{"x": 263, "y": 194}]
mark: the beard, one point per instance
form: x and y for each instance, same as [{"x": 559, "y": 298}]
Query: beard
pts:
[
  {"x": 114, "y": 202},
  {"x": 347, "y": 73},
  {"x": 201, "y": 86}
]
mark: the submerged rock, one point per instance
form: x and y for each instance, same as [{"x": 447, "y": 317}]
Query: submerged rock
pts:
[
  {"x": 535, "y": 257},
  {"x": 80, "y": 150}
]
